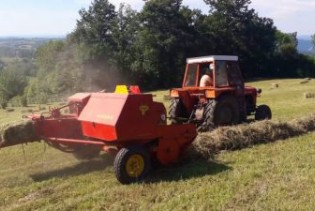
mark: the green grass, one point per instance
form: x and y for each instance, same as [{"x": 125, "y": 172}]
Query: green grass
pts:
[
  {"x": 276, "y": 176},
  {"x": 288, "y": 100}
]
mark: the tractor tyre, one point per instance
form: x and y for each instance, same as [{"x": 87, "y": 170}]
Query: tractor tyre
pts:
[
  {"x": 132, "y": 164},
  {"x": 263, "y": 112},
  {"x": 224, "y": 111},
  {"x": 86, "y": 152},
  {"x": 208, "y": 123},
  {"x": 176, "y": 110}
]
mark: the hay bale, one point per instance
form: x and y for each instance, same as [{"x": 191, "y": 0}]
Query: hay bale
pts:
[
  {"x": 274, "y": 85},
  {"x": 17, "y": 133},
  {"x": 9, "y": 109},
  {"x": 304, "y": 81},
  {"x": 246, "y": 135},
  {"x": 308, "y": 95}
]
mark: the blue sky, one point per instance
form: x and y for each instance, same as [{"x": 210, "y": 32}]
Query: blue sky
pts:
[{"x": 58, "y": 17}]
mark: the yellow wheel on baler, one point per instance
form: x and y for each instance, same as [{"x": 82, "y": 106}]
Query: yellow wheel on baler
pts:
[
  {"x": 132, "y": 164},
  {"x": 135, "y": 165}
]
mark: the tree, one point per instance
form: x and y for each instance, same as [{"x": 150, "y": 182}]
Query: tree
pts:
[
  {"x": 104, "y": 38},
  {"x": 286, "y": 43},
  {"x": 125, "y": 32},
  {"x": 48, "y": 55},
  {"x": 239, "y": 30},
  {"x": 12, "y": 83},
  {"x": 1, "y": 65},
  {"x": 285, "y": 55},
  {"x": 94, "y": 30},
  {"x": 167, "y": 35}
]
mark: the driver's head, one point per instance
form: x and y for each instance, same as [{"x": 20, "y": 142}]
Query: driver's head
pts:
[
  {"x": 207, "y": 71},
  {"x": 211, "y": 67}
]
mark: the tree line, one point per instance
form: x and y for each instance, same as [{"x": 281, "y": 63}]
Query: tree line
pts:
[{"x": 112, "y": 46}]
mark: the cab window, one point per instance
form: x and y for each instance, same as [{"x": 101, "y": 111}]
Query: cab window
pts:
[
  {"x": 191, "y": 75},
  {"x": 221, "y": 78},
  {"x": 235, "y": 76}
]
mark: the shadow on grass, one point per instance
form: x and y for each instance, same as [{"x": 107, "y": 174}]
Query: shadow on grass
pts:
[
  {"x": 184, "y": 170},
  {"x": 187, "y": 169},
  {"x": 81, "y": 168}
]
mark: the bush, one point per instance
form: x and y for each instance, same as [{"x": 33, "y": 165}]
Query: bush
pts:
[
  {"x": 3, "y": 104},
  {"x": 18, "y": 101}
]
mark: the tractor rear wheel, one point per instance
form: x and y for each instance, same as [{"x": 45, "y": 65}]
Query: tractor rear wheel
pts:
[
  {"x": 177, "y": 110},
  {"x": 263, "y": 112},
  {"x": 86, "y": 152},
  {"x": 132, "y": 164},
  {"x": 224, "y": 111}
]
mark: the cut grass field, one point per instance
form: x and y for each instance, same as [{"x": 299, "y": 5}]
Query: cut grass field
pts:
[{"x": 275, "y": 176}]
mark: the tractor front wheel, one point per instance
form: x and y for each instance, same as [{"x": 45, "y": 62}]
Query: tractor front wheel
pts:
[
  {"x": 132, "y": 164},
  {"x": 177, "y": 111},
  {"x": 263, "y": 112}
]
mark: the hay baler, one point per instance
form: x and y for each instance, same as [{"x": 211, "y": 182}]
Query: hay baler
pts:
[{"x": 129, "y": 124}]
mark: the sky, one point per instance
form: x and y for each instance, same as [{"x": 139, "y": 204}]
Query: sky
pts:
[{"x": 58, "y": 17}]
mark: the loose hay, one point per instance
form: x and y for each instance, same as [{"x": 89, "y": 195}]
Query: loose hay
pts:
[
  {"x": 246, "y": 135},
  {"x": 17, "y": 133},
  {"x": 167, "y": 97}
]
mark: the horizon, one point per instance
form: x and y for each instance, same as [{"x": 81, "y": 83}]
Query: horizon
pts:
[
  {"x": 43, "y": 18},
  {"x": 301, "y": 37}
]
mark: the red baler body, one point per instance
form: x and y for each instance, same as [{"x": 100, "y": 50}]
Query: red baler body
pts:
[
  {"x": 112, "y": 117},
  {"x": 110, "y": 120}
]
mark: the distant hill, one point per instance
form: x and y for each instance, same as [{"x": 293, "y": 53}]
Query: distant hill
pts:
[
  {"x": 16, "y": 47},
  {"x": 305, "y": 45}
]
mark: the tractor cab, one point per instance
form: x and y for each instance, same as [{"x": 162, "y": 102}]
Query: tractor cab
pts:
[
  {"x": 213, "y": 94},
  {"x": 223, "y": 70}
]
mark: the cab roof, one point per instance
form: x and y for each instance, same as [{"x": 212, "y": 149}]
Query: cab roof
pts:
[{"x": 211, "y": 58}]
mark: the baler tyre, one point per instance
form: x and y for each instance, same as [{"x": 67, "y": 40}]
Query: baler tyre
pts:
[
  {"x": 263, "y": 112},
  {"x": 177, "y": 109},
  {"x": 86, "y": 152},
  {"x": 132, "y": 164}
]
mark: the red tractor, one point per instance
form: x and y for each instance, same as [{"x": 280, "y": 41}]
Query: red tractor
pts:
[{"x": 223, "y": 100}]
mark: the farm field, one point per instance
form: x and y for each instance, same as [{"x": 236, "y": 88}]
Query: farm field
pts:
[{"x": 275, "y": 176}]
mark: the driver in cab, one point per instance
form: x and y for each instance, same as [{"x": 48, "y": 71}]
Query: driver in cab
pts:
[{"x": 207, "y": 78}]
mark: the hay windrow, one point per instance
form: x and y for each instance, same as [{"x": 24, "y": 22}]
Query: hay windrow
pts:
[
  {"x": 247, "y": 135},
  {"x": 17, "y": 133}
]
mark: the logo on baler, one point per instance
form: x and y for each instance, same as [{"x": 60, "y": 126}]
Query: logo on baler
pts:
[
  {"x": 143, "y": 109},
  {"x": 105, "y": 117}
]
